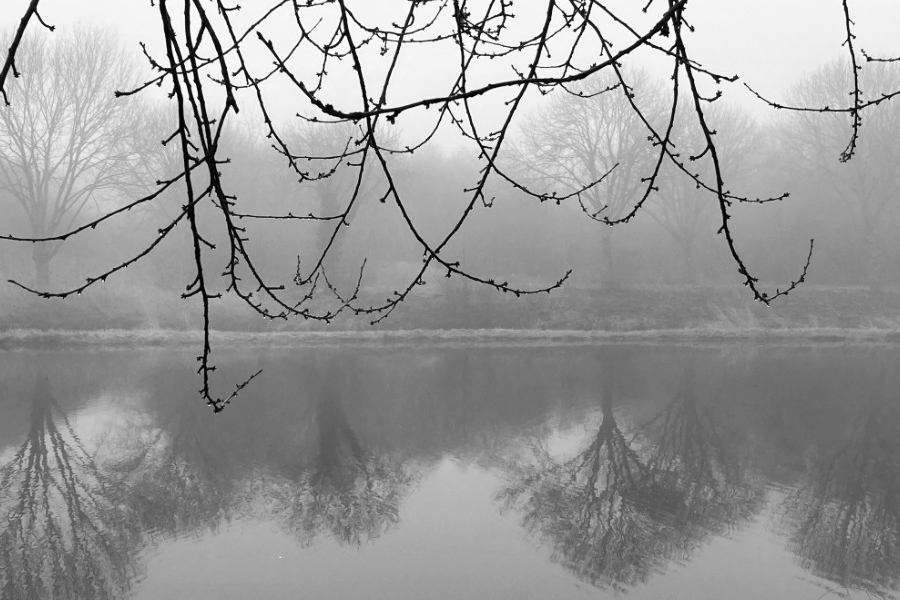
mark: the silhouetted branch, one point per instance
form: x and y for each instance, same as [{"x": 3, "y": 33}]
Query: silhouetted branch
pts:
[
  {"x": 9, "y": 63},
  {"x": 209, "y": 73}
]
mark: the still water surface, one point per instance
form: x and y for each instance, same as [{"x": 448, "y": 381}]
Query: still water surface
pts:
[{"x": 659, "y": 471}]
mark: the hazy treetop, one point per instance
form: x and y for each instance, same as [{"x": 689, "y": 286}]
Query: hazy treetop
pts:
[
  {"x": 473, "y": 67},
  {"x": 770, "y": 43}
]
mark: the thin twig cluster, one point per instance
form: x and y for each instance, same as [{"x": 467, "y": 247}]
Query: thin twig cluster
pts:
[{"x": 208, "y": 66}]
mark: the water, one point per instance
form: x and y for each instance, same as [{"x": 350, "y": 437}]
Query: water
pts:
[{"x": 661, "y": 471}]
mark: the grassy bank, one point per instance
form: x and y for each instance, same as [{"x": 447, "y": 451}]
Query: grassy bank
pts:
[{"x": 725, "y": 310}]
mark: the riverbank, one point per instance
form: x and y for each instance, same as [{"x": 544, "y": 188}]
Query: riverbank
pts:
[
  {"x": 473, "y": 316},
  {"x": 440, "y": 338}
]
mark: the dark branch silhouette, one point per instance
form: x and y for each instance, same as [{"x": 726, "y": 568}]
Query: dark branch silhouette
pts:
[
  {"x": 862, "y": 190},
  {"x": 205, "y": 59},
  {"x": 64, "y": 139}
]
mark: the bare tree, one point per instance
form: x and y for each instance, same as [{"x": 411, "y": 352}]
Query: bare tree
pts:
[
  {"x": 208, "y": 62},
  {"x": 683, "y": 208},
  {"x": 64, "y": 140},
  {"x": 592, "y": 143},
  {"x": 861, "y": 191},
  {"x": 327, "y": 159}
]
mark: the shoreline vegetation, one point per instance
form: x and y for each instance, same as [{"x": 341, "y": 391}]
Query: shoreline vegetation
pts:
[
  {"x": 119, "y": 338},
  {"x": 142, "y": 316}
]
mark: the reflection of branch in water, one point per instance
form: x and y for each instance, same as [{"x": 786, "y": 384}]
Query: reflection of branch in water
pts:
[
  {"x": 690, "y": 457},
  {"x": 65, "y": 533},
  {"x": 602, "y": 512},
  {"x": 845, "y": 519},
  {"x": 351, "y": 493}
]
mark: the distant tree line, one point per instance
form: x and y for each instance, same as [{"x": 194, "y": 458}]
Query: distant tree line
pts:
[
  {"x": 90, "y": 153},
  {"x": 344, "y": 65}
]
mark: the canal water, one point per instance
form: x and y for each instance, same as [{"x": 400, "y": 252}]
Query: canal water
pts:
[{"x": 659, "y": 471}]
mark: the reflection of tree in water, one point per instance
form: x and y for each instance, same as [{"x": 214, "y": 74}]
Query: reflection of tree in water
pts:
[
  {"x": 64, "y": 531},
  {"x": 349, "y": 491},
  {"x": 623, "y": 508},
  {"x": 692, "y": 457},
  {"x": 179, "y": 476},
  {"x": 844, "y": 519},
  {"x": 600, "y": 511},
  {"x": 186, "y": 472}
]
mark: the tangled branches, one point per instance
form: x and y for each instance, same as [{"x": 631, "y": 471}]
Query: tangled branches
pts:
[{"x": 214, "y": 59}]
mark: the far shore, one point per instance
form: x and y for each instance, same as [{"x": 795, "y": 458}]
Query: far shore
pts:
[
  {"x": 145, "y": 316},
  {"x": 117, "y": 338}
]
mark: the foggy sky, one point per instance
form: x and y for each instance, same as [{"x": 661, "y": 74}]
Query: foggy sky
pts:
[{"x": 769, "y": 43}]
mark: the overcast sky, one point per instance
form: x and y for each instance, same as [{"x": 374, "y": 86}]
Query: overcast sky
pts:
[{"x": 770, "y": 43}]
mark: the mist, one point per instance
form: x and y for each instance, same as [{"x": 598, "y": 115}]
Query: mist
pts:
[
  {"x": 449, "y": 300},
  {"x": 670, "y": 249}
]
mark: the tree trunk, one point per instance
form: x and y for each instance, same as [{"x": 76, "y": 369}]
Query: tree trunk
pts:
[
  {"x": 691, "y": 275},
  {"x": 874, "y": 262},
  {"x": 335, "y": 263},
  {"x": 41, "y": 257},
  {"x": 608, "y": 278}
]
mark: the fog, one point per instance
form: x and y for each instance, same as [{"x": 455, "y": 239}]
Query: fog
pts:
[
  {"x": 449, "y": 300},
  {"x": 703, "y": 470},
  {"x": 848, "y": 208},
  {"x": 674, "y": 239}
]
